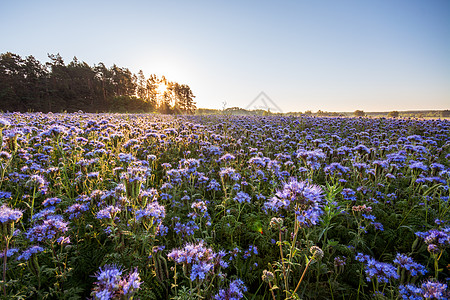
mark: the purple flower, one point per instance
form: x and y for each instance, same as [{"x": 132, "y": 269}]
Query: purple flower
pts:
[
  {"x": 109, "y": 274},
  {"x": 311, "y": 158},
  {"x": 51, "y": 201},
  {"x": 200, "y": 270},
  {"x": 35, "y": 181},
  {"x": 111, "y": 285},
  {"x": 375, "y": 269},
  {"x": 9, "y": 253},
  {"x": 433, "y": 290},
  {"x": 334, "y": 168},
  {"x": 108, "y": 212},
  {"x": 213, "y": 185},
  {"x": 76, "y": 209},
  {"x": 408, "y": 264},
  {"x": 131, "y": 282},
  {"x": 50, "y": 228},
  {"x": 242, "y": 197},
  {"x": 185, "y": 230},
  {"x": 56, "y": 130},
  {"x": 382, "y": 163},
  {"x": 234, "y": 292},
  {"x": 5, "y": 155},
  {"x": 127, "y": 158},
  {"x": 203, "y": 260},
  {"x": 362, "y": 149},
  {"x": 313, "y": 155},
  {"x": 29, "y": 252},
  {"x": 152, "y": 210},
  {"x": 257, "y": 162},
  {"x": 349, "y": 194},
  {"x": 229, "y": 173},
  {"x": 410, "y": 292},
  {"x": 4, "y": 123},
  {"x": 439, "y": 238},
  {"x": 303, "y": 198},
  {"x": 5, "y": 195},
  {"x": 227, "y": 157},
  {"x": 8, "y": 215},
  {"x": 340, "y": 261},
  {"x": 418, "y": 166},
  {"x": 45, "y": 214},
  {"x": 251, "y": 250}
]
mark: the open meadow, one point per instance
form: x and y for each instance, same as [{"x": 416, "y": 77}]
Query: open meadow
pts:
[{"x": 122, "y": 206}]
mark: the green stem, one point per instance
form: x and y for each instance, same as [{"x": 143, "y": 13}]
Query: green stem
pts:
[
  {"x": 303, "y": 275},
  {"x": 296, "y": 227},
  {"x": 32, "y": 202},
  {"x": 271, "y": 290},
  {"x": 282, "y": 261},
  {"x": 5, "y": 252}
]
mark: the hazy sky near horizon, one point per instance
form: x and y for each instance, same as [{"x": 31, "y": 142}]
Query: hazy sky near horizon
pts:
[{"x": 305, "y": 55}]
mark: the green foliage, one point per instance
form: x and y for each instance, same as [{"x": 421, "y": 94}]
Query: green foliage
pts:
[{"x": 89, "y": 164}]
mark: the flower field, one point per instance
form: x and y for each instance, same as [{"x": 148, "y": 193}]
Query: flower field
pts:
[{"x": 111, "y": 206}]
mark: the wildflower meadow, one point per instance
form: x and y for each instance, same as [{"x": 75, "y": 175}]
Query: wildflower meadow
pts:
[{"x": 145, "y": 206}]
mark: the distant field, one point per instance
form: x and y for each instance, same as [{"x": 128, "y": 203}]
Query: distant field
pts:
[{"x": 115, "y": 206}]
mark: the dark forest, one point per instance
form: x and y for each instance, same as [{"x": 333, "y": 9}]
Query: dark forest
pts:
[{"x": 27, "y": 85}]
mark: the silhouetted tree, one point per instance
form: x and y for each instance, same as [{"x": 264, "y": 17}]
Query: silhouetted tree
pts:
[
  {"x": 393, "y": 114},
  {"x": 28, "y": 85},
  {"x": 359, "y": 113}
]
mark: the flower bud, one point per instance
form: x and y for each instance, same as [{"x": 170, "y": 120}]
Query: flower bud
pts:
[
  {"x": 267, "y": 276},
  {"x": 316, "y": 252},
  {"x": 276, "y": 222}
]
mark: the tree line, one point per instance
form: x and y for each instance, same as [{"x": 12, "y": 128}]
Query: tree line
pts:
[{"x": 26, "y": 84}]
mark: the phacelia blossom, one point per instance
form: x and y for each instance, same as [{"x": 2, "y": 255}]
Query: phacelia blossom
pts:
[
  {"x": 8, "y": 215},
  {"x": 301, "y": 197},
  {"x": 440, "y": 239},
  {"x": 111, "y": 284},
  {"x": 153, "y": 211},
  {"x": 108, "y": 212},
  {"x": 234, "y": 292},
  {"x": 375, "y": 269},
  {"x": 50, "y": 229},
  {"x": 203, "y": 261},
  {"x": 242, "y": 197},
  {"x": 29, "y": 252},
  {"x": 407, "y": 263}
]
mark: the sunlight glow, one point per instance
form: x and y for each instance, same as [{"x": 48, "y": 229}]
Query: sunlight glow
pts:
[{"x": 161, "y": 88}]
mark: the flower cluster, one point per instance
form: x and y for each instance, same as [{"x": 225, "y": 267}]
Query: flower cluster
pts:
[
  {"x": 380, "y": 271},
  {"x": 111, "y": 284},
  {"x": 252, "y": 250},
  {"x": 428, "y": 290},
  {"x": 108, "y": 212},
  {"x": 27, "y": 254},
  {"x": 436, "y": 240},
  {"x": 50, "y": 229},
  {"x": 8, "y": 215},
  {"x": 202, "y": 260},
  {"x": 242, "y": 197},
  {"x": 234, "y": 292},
  {"x": 407, "y": 263},
  {"x": 152, "y": 212},
  {"x": 311, "y": 157},
  {"x": 303, "y": 198}
]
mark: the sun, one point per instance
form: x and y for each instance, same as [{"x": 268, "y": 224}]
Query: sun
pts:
[{"x": 161, "y": 88}]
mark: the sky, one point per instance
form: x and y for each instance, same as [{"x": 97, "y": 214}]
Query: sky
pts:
[{"x": 303, "y": 55}]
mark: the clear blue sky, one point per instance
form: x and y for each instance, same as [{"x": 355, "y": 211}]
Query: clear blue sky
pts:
[{"x": 305, "y": 55}]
